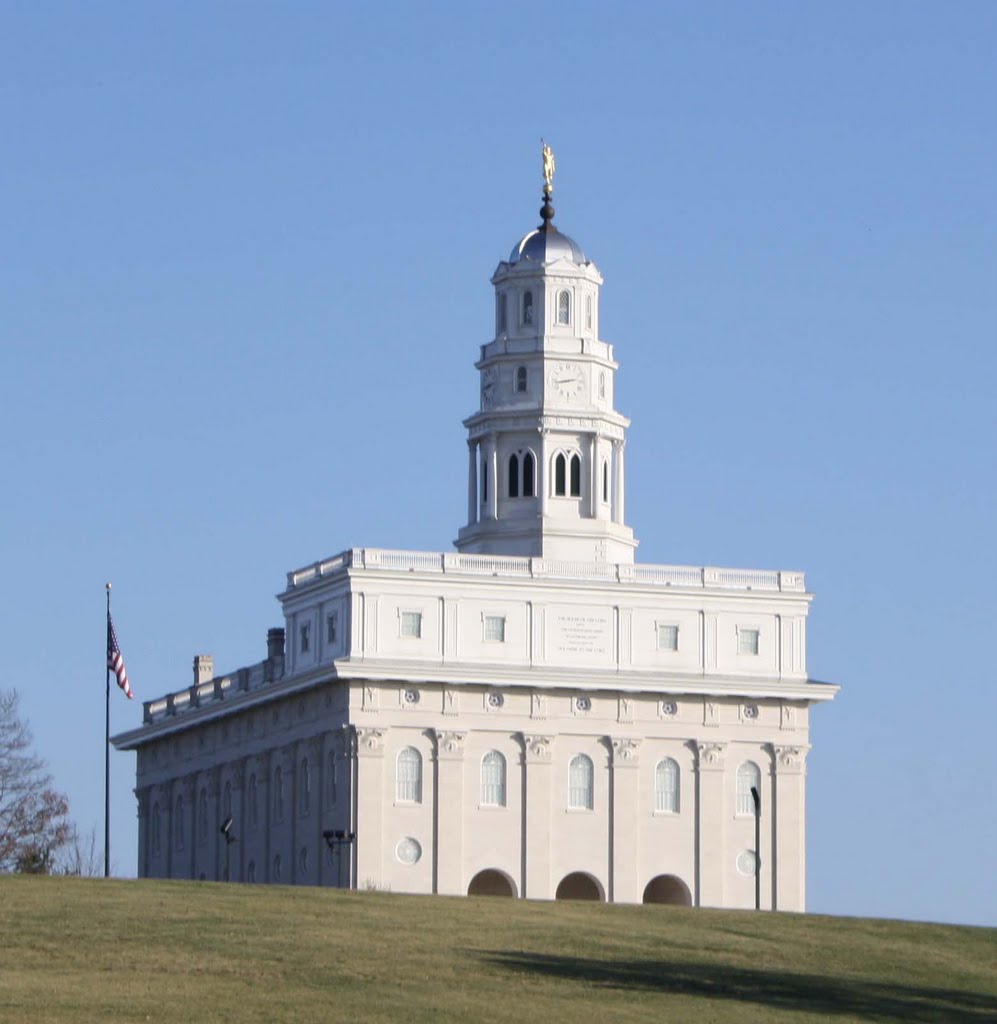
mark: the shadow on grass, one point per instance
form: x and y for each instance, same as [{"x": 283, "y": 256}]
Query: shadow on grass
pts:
[{"x": 864, "y": 1000}]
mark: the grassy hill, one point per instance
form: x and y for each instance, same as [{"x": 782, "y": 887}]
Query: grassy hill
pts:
[{"x": 85, "y": 950}]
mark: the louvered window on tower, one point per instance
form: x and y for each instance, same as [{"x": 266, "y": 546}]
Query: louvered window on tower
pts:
[{"x": 576, "y": 476}]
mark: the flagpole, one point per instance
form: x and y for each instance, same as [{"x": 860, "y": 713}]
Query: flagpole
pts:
[{"x": 107, "y": 743}]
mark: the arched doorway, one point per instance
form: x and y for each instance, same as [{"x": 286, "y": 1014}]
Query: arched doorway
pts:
[
  {"x": 491, "y": 883},
  {"x": 579, "y": 886},
  {"x": 668, "y": 889}
]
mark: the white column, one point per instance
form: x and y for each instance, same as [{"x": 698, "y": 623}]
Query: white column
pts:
[
  {"x": 711, "y": 819},
  {"x": 369, "y": 768},
  {"x": 788, "y": 870},
  {"x": 472, "y": 483},
  {"x": 625, "y": 777},
  {"x": 493, "y": 493},
  {"x": 449, "y": 811},
  {"x": 593, "y": 478},
  {"x": 536, "y": 883},
  {"x": 617, "y": 489}
]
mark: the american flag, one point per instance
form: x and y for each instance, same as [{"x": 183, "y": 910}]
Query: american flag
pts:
[{"x": 114, "y": 660}]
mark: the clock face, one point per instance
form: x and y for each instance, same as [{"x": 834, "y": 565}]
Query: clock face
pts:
[{"x": 566, "y": 382}]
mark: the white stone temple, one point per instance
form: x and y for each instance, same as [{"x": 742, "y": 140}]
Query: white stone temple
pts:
[{"x": 533, "y": 715}]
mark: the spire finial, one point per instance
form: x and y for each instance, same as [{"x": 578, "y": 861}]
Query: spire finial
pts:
[{"x": 547, "y": 210}]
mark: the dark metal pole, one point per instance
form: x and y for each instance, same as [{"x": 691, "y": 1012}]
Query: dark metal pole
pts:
[
  {"x": 757, "y": 800},
  {"x": 107, "y": 742}
]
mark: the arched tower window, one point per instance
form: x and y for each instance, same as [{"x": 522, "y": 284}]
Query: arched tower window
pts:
[
  {"x": 605, "y": 480},
  {"x": 588, "y": 312},
  {"x": 529, "y": 475},
  {"x": 560, "y": 470},
  {"x": 502, "y": 312},
  {"x": 748, "y": 775},
  {"x": 576, "y": 476},
  {"x": 580, "y": 775},
  {"x": 527, "y": 308},
  {"x": 493, "y": 779},
  {"x": 564, "y": 307},
  {"x": 408, "y": 775},
  {"x": 521, "y": 378},
  {"x": 513, "y": 476},
  {"x": 666, "y": 786}
]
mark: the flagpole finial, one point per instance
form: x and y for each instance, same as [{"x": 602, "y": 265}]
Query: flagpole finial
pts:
[{"x": 107, "y": 586}]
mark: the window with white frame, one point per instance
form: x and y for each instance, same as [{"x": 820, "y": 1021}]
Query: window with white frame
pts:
[
  {"x": 521, "y": 378},
  {"x": 748, "y": 775},
  {"x": 564, "y": 307},
  {"x": 408, "y": 775},
  {"x": 668, "y": 637},
  {"x": 304, "y": 633},
  {"x": 493, "y": 779},
  {"x": 495, "y": 628},
  {"x": 332, "y": 627},
  {"x": 527, "y": 308},
  {"x": 576, "y": 476},
  {"x": 560, "y": 475},
  {"x": 588, "y": 312},
  {"x": 501, "y": 313},
  {"x": 411, "y": 624},
  {"x": 580, "y": 780},
  {"x": 666, "y": 786},
  {"x": 747, "y": 641}
]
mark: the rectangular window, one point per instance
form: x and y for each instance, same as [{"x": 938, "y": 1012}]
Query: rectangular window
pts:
[
  {"x": 668, "y": 637},
  {"x": 495, "y": 628},
  {"x": 332, "y": 627},
  {"x": 747, "y": 641},
  {"x": 412, "y": 624},
  {"x": 305, "y": 637}
]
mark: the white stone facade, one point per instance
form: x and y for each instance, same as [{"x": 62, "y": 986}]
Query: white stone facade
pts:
[{"x": 535, "y": 714}]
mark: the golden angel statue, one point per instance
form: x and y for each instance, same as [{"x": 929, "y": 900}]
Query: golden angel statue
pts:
[{"x": 549, "y": 167}]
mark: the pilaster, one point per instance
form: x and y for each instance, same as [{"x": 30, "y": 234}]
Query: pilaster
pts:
[
  {"x": 789, "y": 827},
  {"x": 623, "y": 820},
  {"x": 536, "y": 881},
  {"x": 448, "y": 812},
  {"x": 711, "y": 822},
  {"x": 369, "y": 802}
]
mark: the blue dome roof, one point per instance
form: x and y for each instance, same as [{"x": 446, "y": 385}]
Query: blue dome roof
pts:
[{"x": 546, "y": 244}]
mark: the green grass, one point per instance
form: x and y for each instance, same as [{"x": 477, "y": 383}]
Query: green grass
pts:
[{"x": 84, "y": 950}]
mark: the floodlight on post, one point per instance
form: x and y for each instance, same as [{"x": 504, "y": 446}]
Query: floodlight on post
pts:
[
  {"x": 226, "y": 831},
  {"x": 335, "y": 839}
]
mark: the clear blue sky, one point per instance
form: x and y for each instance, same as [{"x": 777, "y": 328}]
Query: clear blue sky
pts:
[{"x": 245, "y": 254}]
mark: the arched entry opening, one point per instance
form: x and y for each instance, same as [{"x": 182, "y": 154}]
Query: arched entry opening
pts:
[
  {"x": 668, "y": 889},
  {"x": 491, "y": 883},
  {"x": 579, "y": 886}
]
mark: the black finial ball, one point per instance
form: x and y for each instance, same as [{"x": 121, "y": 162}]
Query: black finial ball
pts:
[{"x": 547, "y": 211}]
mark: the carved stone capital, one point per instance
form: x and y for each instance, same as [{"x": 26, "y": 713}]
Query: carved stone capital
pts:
[
  {"x": 710, "y": 755},
  {"x": 370, "y": 741},
  {"x": 450, "y": 744},
  {"x": 625, "y": 752},
  {"x": 537, "y": 748},
  {"x": 790, "y": 760}
]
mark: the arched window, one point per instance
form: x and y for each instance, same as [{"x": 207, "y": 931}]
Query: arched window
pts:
[
  {"x": 493, "y": 779},
  {"x": 251, "y": 872},
  {"x": 576, "y": 476},
  {"x": 559, "y": 475},
  {"x": 588, "y": 312},
  {"x": 330, "y": 790},
  {"x": 202, "y": 815},
  {"x": 227, "y": 800},
  {"x": 408, "y": 787},
  {"x": 278, "y": 794},
  {"x": 527, "y": 308},
  {"x": 521, "y": 378},
  {"x": 666, "y": 786},
  {"x": 563, "y": 308},
  {"x": 605, "y": 480},
  {"x": 254, "y": 813},
  {"x": 178, "y": 824},
  {"x": 305, "y": 787},
  {"x": 580, "y": 783},
  {"x": 748, "y": 775},
  {"x": 529, "y": 475},
  {"x": 501, "y": 314},
  {"x": 513, "y": 476},
  {"x": 156, "y": 830}
]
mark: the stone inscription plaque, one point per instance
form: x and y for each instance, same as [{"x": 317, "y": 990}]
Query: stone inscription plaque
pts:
[{"x": 580, "y": 634}]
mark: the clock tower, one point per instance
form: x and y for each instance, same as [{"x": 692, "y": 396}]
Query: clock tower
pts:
[{"x": 545, "y": 448}]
